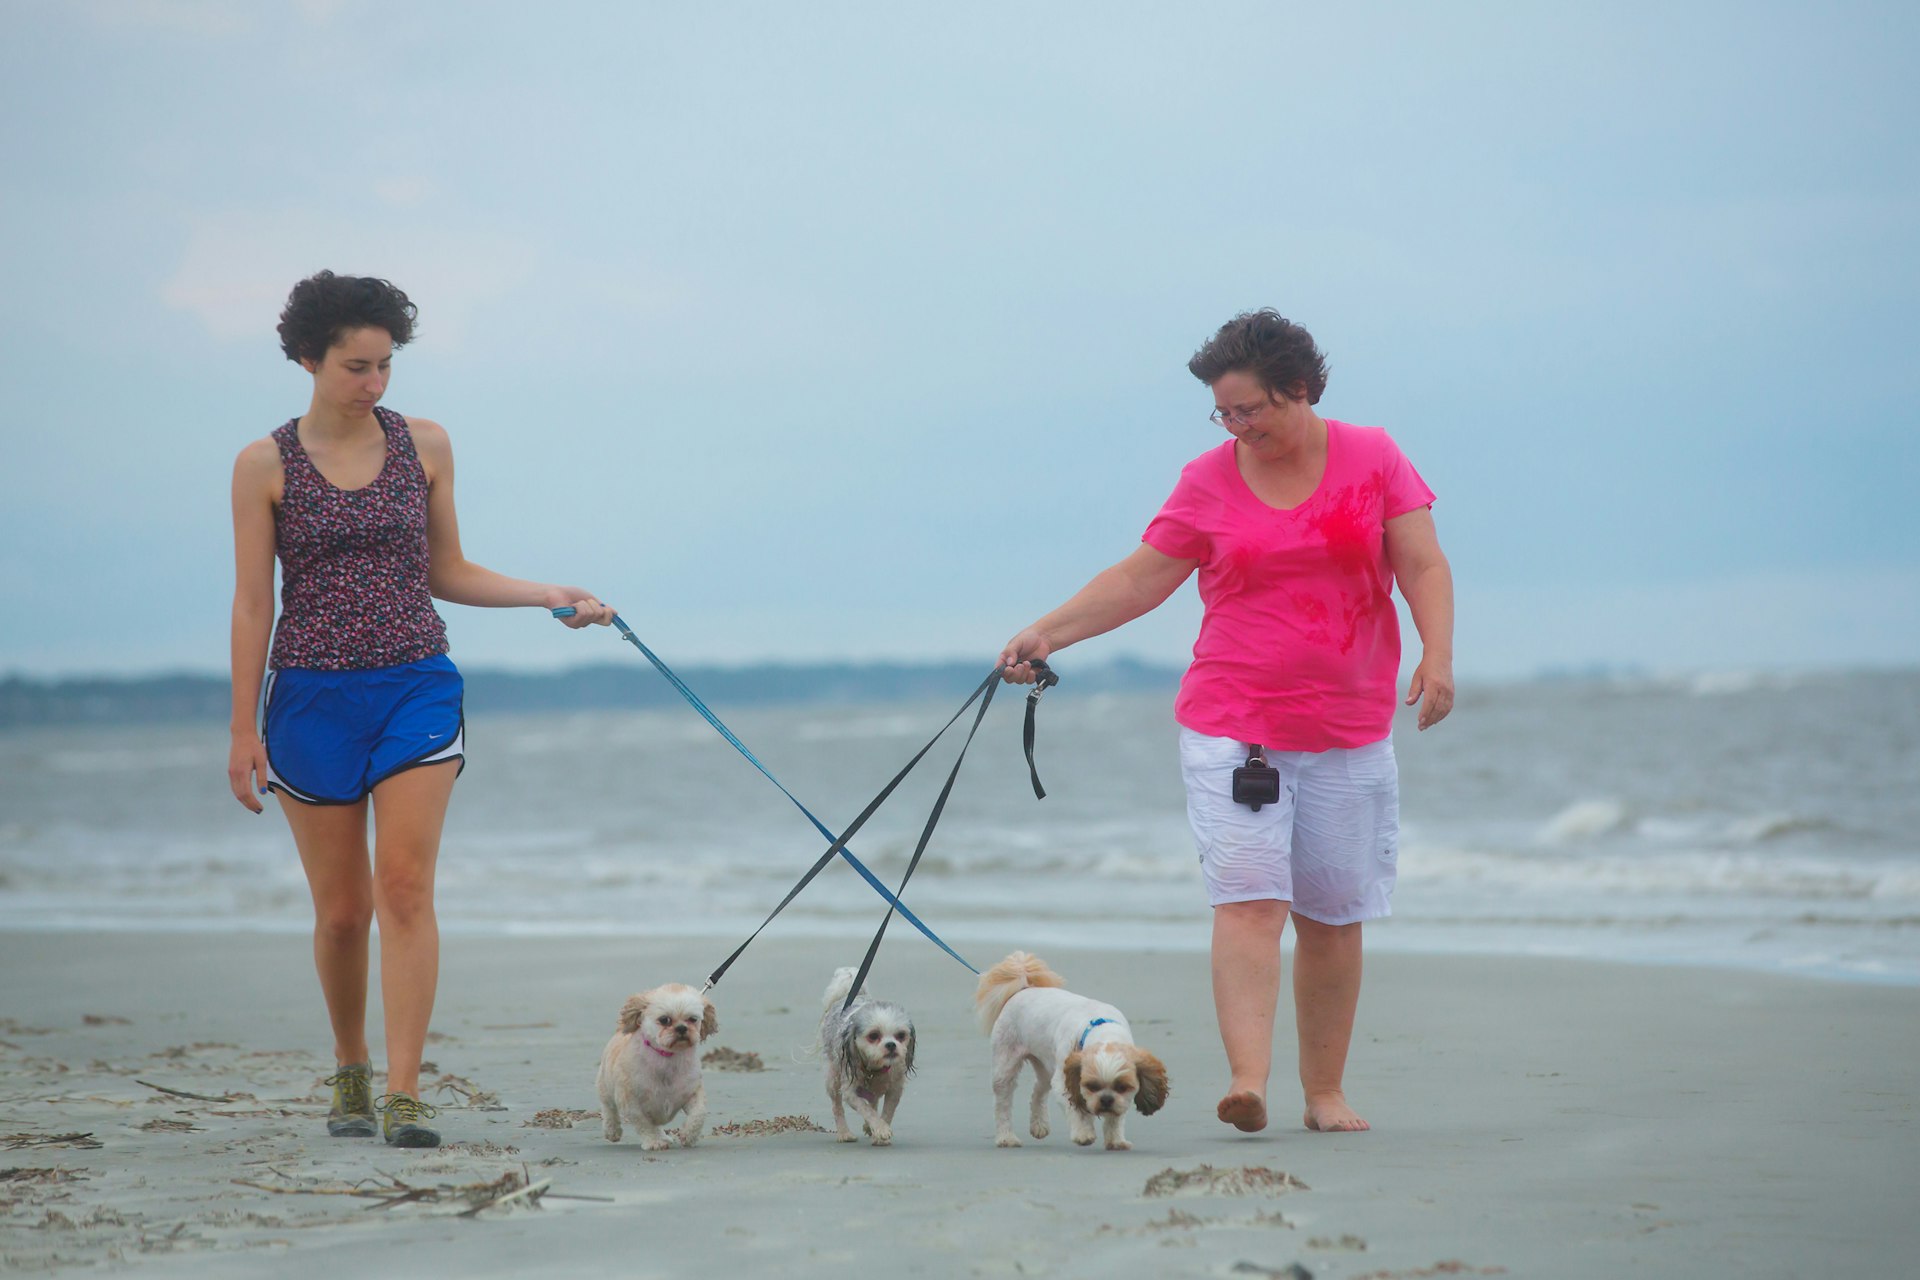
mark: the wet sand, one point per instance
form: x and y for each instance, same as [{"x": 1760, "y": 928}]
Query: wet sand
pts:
[{"x": 1532, "y": 1117}]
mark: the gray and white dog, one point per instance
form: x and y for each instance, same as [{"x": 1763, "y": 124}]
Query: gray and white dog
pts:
[{"x": 868, "y": 1048}]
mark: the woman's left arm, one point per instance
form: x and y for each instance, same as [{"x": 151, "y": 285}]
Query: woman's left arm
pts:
[
  {"x": 453, "y": 577},
  {"x": 1426, "y": 583}
]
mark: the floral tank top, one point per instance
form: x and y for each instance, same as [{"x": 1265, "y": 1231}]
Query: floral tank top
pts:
[{"x": 353, "y": 562}]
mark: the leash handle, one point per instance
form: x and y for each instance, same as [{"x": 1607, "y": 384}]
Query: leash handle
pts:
[
  {"x": 564, "y": 611},
  {"x": 1045, "y": 677}
]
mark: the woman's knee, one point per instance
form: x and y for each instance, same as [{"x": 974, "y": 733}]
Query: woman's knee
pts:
[
  {"x": 344, "y": 922},
  {"x": 1262, "y": 915},
  {"x": 404, "y": 896},
  {"x": 1314, "y": 935}
]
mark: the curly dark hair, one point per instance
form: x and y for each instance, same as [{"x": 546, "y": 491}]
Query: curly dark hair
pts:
[
  {"x": 1272, "y": 348},
  {"x": 324, "y": 306}
]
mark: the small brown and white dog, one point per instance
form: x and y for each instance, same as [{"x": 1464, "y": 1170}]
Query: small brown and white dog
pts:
[
  {"x": 869, "y": 1051},
  {"x": 650, "y": 1070},
  {"x": 1079, "y": 1048}
]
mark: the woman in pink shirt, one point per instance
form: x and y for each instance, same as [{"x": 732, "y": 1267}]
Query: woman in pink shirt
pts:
[{"x": 1299, "y": 527}]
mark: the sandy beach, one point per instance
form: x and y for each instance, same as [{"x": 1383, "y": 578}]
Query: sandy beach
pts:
[{"x": 1532, "y": 1118}]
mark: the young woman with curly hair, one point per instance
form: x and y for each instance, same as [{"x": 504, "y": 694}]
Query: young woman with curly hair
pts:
[{"x": 355, "y": 709}]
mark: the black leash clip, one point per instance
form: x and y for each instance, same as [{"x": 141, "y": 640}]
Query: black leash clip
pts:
[
  {"x": 1256, "y": 782},
  {"x": 1044, "y": 678}
]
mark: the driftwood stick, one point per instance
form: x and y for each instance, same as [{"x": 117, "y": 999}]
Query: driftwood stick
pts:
[
  {"x": 84, "y": 1141},
  {"x": 408, "y": 1196},
  {"x": 304, "y": 1191},
  {"x": 532, "y": 1189},
  {"x": 182, "y": 1093}
]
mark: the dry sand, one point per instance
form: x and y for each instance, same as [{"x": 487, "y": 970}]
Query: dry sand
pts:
[{"x": 1532, "y": 1118}]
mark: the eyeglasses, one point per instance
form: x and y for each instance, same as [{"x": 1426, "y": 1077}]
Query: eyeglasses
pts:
[{"x": 1233, "y": 418}]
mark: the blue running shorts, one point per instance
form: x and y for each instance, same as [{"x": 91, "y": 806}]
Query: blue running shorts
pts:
[{"x": 333, "y": 736}]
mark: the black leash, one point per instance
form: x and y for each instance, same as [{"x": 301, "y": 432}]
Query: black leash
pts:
[
  {"x": 983, "y": 693},
  {"x": 1045, "y": 679},
  {"x": 706, "y": 713}
]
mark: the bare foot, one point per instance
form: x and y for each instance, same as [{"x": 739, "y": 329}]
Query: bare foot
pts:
[
  {"x": 1329, "y": 1113},
  {"x": 1245, "y": 1111}
]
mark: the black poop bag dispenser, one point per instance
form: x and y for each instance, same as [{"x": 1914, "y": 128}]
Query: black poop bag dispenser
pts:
[{"x": 1256, "y": 782}]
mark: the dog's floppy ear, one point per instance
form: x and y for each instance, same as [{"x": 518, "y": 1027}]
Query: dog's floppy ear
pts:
[
  {"x": 913, "y": 1042},
  {"x": 1070, "y": 1076},
  {"x": 1153, "y": 1082},
  {"x": 710, "y": 1021},
  {"x": 846, "y": 1048},
  {"x": 634, "y": 1012}
]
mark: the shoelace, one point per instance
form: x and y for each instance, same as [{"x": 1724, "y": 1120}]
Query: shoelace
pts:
[
  {"x": 356, "y": 1090},
  {"x": 405, "y": 1108}
]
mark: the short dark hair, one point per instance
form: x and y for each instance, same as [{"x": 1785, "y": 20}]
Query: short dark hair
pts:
[
  {"x": 1272, "y": 348},
  {"x": 324, "y": 306}
]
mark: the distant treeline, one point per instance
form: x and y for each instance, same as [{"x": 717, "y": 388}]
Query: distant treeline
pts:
[{"x": 150, "y": 699}]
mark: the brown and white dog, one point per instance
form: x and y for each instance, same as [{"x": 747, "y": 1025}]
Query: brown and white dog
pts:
[
  {"x": 650, "y": 1070},
  {"x": 1081, "y": 1049}
]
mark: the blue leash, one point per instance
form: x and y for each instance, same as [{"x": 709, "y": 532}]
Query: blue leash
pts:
[{"x": 838, "y": 842}]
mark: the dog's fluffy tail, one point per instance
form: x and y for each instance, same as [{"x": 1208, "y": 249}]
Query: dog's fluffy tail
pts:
[
  {"x": 838, "y": 988},
  {"x": 1007, "y": 979}
]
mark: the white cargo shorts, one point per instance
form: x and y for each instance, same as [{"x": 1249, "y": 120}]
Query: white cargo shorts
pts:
[{"x": 1330, "y": 847}]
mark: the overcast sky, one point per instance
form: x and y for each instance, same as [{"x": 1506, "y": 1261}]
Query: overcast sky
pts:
[{"x": 860, "y": 330}]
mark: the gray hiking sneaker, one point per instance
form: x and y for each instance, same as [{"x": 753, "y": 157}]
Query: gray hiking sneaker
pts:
[
  {"x": 352, "y": 1114},
  {"x": 401, "y": 1114}
]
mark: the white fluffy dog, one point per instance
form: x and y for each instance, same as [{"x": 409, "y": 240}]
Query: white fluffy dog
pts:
[
  {"x": 650, "y": 1070},
  {"x": 1079, "y": 1048},
  {"x": 869, "y": 1052}
]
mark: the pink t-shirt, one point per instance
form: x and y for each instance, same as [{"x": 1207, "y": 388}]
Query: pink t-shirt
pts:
[{"x": 1299, "y": 645}]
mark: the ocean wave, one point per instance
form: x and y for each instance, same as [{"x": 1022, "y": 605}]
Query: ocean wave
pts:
[
  {"x": 1706, "y": 874},
  {"x": 602, "y": 734},
  {"x": 172, "y": 758},
  {"x": 1898, "y": 885},
  {"x": 1585, "y": 820},
  {"x": 1766, "y": 826},
  {"x": 895, "y": 726},
  {"x": 1582, "y": 820},
  {"x": 1732, "y": 683},
  {"x": 1140, "y": 865}
]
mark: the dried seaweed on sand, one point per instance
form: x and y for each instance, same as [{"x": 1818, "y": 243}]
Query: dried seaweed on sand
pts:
[
  {"x": 558, "y": 1118},
  {"x": 14, "y": 1141},
  {"x": 721, "y": 1058},
  {"x": 1251, "y": 1180},
  {"x": 761, "y": 1128},
  {"x": 468, "y": 1092},
  {"x": 158, "y": 1125}
]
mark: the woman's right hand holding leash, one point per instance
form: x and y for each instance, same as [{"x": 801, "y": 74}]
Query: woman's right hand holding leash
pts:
[{"x": 1016, "y": 658}]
